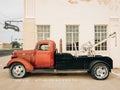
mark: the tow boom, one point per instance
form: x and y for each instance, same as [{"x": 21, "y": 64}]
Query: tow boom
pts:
[{"x": 89, "y": 47}]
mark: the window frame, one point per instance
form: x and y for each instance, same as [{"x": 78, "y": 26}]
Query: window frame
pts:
[
  {"x": 103, "y": 46},
  {"x": 72, "y": 36},
  {"x": 39, "y": 47},
  {"x": 42, "y": 33}
]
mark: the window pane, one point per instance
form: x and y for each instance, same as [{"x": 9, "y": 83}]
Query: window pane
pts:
[
  {"x": 43, "y": 32},
  {"x": 72, "y": 37},
  {"x": 100, "y": 34},
  {"x": 43, "y": 47}
]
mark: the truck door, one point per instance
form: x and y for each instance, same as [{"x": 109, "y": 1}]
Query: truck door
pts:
[{"x": 42, "y": 56}]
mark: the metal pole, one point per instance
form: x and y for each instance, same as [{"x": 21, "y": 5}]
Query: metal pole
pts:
[{"x": 60, "y": 46}]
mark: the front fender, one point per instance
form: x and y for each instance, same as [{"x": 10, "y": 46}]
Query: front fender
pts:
[{"x": 29, "y": 67}]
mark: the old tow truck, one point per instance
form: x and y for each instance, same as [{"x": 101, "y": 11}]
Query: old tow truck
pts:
[{"x": 45, "y": 58}]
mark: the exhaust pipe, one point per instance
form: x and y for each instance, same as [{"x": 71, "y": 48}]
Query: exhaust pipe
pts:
[{"x": 60, "y": 46}]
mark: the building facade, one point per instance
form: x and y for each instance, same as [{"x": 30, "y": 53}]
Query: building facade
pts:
[
  {"x": 5, "y": 46},
  {"x": 75, "y": 22}
]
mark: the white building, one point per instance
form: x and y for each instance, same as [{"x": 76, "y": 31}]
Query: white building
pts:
[{"x": 74, "y": 21}]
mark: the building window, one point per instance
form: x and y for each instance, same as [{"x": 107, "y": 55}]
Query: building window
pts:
[
  {"x": 72, "y": 37},
  {"x": 43, "y": 32},
  {"x": 100, "y": 34}
]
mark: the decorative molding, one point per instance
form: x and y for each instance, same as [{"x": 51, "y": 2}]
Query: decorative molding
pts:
[
  {"x": 105, "y": 2},
  {"x": 86, "y": 0},
  {"x": 28, "y": 17},
  {"x": 73, "y": 1}
]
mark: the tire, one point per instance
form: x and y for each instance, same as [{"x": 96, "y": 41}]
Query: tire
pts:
[
  {"x": 17, "y": 70},
  {"x": 89, "y": 71},
  {"x": 100, "y": 71}
]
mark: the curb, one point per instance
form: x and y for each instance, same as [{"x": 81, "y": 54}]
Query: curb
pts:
[{"x": 117, "y": 74}]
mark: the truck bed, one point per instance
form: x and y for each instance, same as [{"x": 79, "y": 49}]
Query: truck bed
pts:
[{"x": 67, "y": 61}]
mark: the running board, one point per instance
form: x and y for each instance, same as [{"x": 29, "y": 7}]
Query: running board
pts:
[{"x": 57, "y": 71}]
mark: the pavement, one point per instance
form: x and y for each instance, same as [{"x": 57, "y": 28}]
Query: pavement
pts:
[
  {"x": 116, "y": 71},
  {"x": 38, "y": 81}
]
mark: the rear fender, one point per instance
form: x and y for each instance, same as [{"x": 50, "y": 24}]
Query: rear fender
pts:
[
  {"x": 98, "y": 61},
  {"x": 29, "y": 67}
]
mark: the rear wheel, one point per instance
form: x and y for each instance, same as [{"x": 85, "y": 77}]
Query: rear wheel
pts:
[
  {"x": 17, "y": 70},
  {"x": 100, "y": 71}
]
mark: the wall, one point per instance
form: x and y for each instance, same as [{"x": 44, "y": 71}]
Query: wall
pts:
[
  {"x": 115, "y": 42},
  {"x": 29, "y": 34},
  {"x": 60, "y": 13}
]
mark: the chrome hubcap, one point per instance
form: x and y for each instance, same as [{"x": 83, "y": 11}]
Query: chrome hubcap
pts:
[
  {"x": 18, "y": 71},
  {"x": 101, "y": 72}
]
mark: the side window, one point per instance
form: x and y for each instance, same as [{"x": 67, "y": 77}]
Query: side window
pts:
[{"x": 43, "y": 47}]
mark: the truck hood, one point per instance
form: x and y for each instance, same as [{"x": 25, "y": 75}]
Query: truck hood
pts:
[{"x": 24, "y": 54}]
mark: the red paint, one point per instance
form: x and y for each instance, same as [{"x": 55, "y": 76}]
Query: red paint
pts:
[
  {"x": 26, "y": 64},
  {"x": 35, "y": 58}
]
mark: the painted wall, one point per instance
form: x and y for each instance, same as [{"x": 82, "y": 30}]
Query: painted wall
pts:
[{"x": 58, "y": 14}]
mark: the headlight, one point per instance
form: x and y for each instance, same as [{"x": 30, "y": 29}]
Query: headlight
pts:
[{"x": 14, "y": 55}]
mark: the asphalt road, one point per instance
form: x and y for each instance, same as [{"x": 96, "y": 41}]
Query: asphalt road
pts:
[{"x": 38, "y": 81}]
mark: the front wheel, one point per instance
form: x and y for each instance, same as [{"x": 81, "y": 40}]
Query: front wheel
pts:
[
  {"x": 17, "y": 70},
  {"x": 100, "y": 71}
]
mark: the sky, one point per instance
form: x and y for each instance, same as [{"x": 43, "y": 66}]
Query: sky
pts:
[{"x": 11, "y": 10}]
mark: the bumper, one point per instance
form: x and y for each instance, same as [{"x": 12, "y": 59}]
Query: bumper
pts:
[{"x": 5, "y": 67}]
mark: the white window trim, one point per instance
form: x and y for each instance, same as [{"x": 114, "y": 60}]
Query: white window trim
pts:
[
  {"x": 72, "y": 37},
  {"x": 101, "y": 51}
]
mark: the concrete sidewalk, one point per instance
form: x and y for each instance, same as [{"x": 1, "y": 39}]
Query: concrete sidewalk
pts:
[
  {"x": 41, "y": 81},
  {"x": 116, "y": 71}
]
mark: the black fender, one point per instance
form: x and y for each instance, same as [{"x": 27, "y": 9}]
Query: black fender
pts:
[{"x": 100, "y": 61}]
